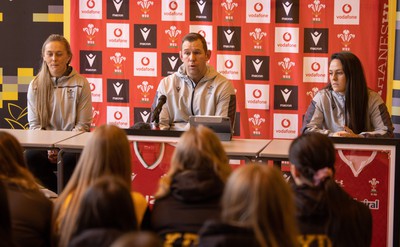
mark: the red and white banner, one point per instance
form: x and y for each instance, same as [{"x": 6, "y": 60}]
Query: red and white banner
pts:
[{"x": 275, "y": 52}]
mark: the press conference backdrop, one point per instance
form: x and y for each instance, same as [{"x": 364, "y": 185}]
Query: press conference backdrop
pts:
[{"x": 275, "y": 52}]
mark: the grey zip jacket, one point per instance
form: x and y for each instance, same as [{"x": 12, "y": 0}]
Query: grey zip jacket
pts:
[
  {"x": 326, "y": 114},
  {"x": 70, "y": 106},
  {"x": 213, "y": 95}
]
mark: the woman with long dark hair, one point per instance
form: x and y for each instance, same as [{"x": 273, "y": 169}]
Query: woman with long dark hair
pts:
[
  {"x": 325, "y": 212},
  {"x": 346, "y": 106}
]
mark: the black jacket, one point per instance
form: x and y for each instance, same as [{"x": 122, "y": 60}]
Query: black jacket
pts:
[
  {"x": 194, "y": 198},
  {"x": 218, "y": 234},
  {"x": 97, "y": 237},
  {"x": 313, "y": 215}
]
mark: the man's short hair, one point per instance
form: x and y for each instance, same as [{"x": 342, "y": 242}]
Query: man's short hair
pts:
[{"x": 195, "y": 36}]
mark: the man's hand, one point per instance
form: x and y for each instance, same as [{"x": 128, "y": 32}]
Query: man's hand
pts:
[{"x": 52, "y": 155}]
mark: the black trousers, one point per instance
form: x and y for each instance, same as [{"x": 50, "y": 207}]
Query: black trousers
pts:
[{"x": 44, "y": 171}]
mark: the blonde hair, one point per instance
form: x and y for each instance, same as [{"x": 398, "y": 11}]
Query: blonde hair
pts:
[
  {"x": 257, "y": 197},
  {"x": 12, "y": 164},
  {"x": 106, "y": 153},
  {"x": 43, "y": 83},
  {"x": 198, "y": 149}
]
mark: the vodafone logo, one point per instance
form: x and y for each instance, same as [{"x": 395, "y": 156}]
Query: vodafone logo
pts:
[
  {"x": 173, "y": 5},
  {"x": 92, "y": 86},
  {"x": 257, "y": 93},
  {"x": 285, "y": 123},
  {"x": 228, "y": 64},
  {"x": 118, "y": 115},
  {"x": 118, "y": 32},
  {"x": 90, "y": 4},
  {"x": 287, "y": 37},
  {"x": 346, "y": 8},
  {"x": 202, "y": 33},
  {"x": 145, "y": 61},
  {"x": 258, "y": 7},
  {"x": 315, "y": 66}
]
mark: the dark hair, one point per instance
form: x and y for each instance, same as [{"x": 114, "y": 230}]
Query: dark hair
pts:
[
  {"x": 5, "y": 218},
  {"x": 356, "y": 106},
  {"x": 107, "y": 204},
  {"x": 195, "y": 36},
  {"x": 311, "y": 152},
  {"x": 13, "y": 168}
]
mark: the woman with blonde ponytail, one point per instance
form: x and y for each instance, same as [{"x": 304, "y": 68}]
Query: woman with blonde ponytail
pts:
[{"x": 58, "y": 99}]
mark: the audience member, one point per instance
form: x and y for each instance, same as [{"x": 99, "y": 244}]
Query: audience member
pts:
[
  {"x": 58, "y": 99},
  {"x": 5, "y": 219},
  {"x": 191, "y": 190},
  {"x": 107, "y": 152},
  {"x": 195, "y": 89},
  {"x": 138, "y": 239},
  {"x": 257, "y": 211},
  {"x": 327, "y": 215},
  {"x": 30, "y": 209},
  {"x": 346, "y": 106},
  {"x": 106, "y": 212}
]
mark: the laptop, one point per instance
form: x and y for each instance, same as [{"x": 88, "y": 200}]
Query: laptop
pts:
[{"x": 220, "y": 125}]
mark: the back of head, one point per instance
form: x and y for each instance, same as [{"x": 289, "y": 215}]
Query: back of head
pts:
[
  {"x": 107, "y": 203},
  {"x": 311, "y": 152},
  {"x": 314, "y": 152},
  {"x": 13, "y": 168},
  {"x": 138, "y": 239},
  {"x": 198, "y": 149},
  {"x": 191, "y": 37},
  {"x": 106, "y": 153},
  {"x": 5, "y": 217},
  {"x": 257, "y": 197}
]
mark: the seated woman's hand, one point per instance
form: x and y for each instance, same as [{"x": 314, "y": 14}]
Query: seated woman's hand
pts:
[{"x": 347, "y": 132}]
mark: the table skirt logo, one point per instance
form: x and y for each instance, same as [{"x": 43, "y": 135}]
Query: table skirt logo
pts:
[{"x": 149, "y": 155}]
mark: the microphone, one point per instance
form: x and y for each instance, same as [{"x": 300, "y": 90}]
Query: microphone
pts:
[{"x": 156, "y": 113}]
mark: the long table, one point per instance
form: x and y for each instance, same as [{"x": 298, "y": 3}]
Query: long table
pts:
[
  {"x": 40, "y": 138},
  {"x": 246, "y": 149}
]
